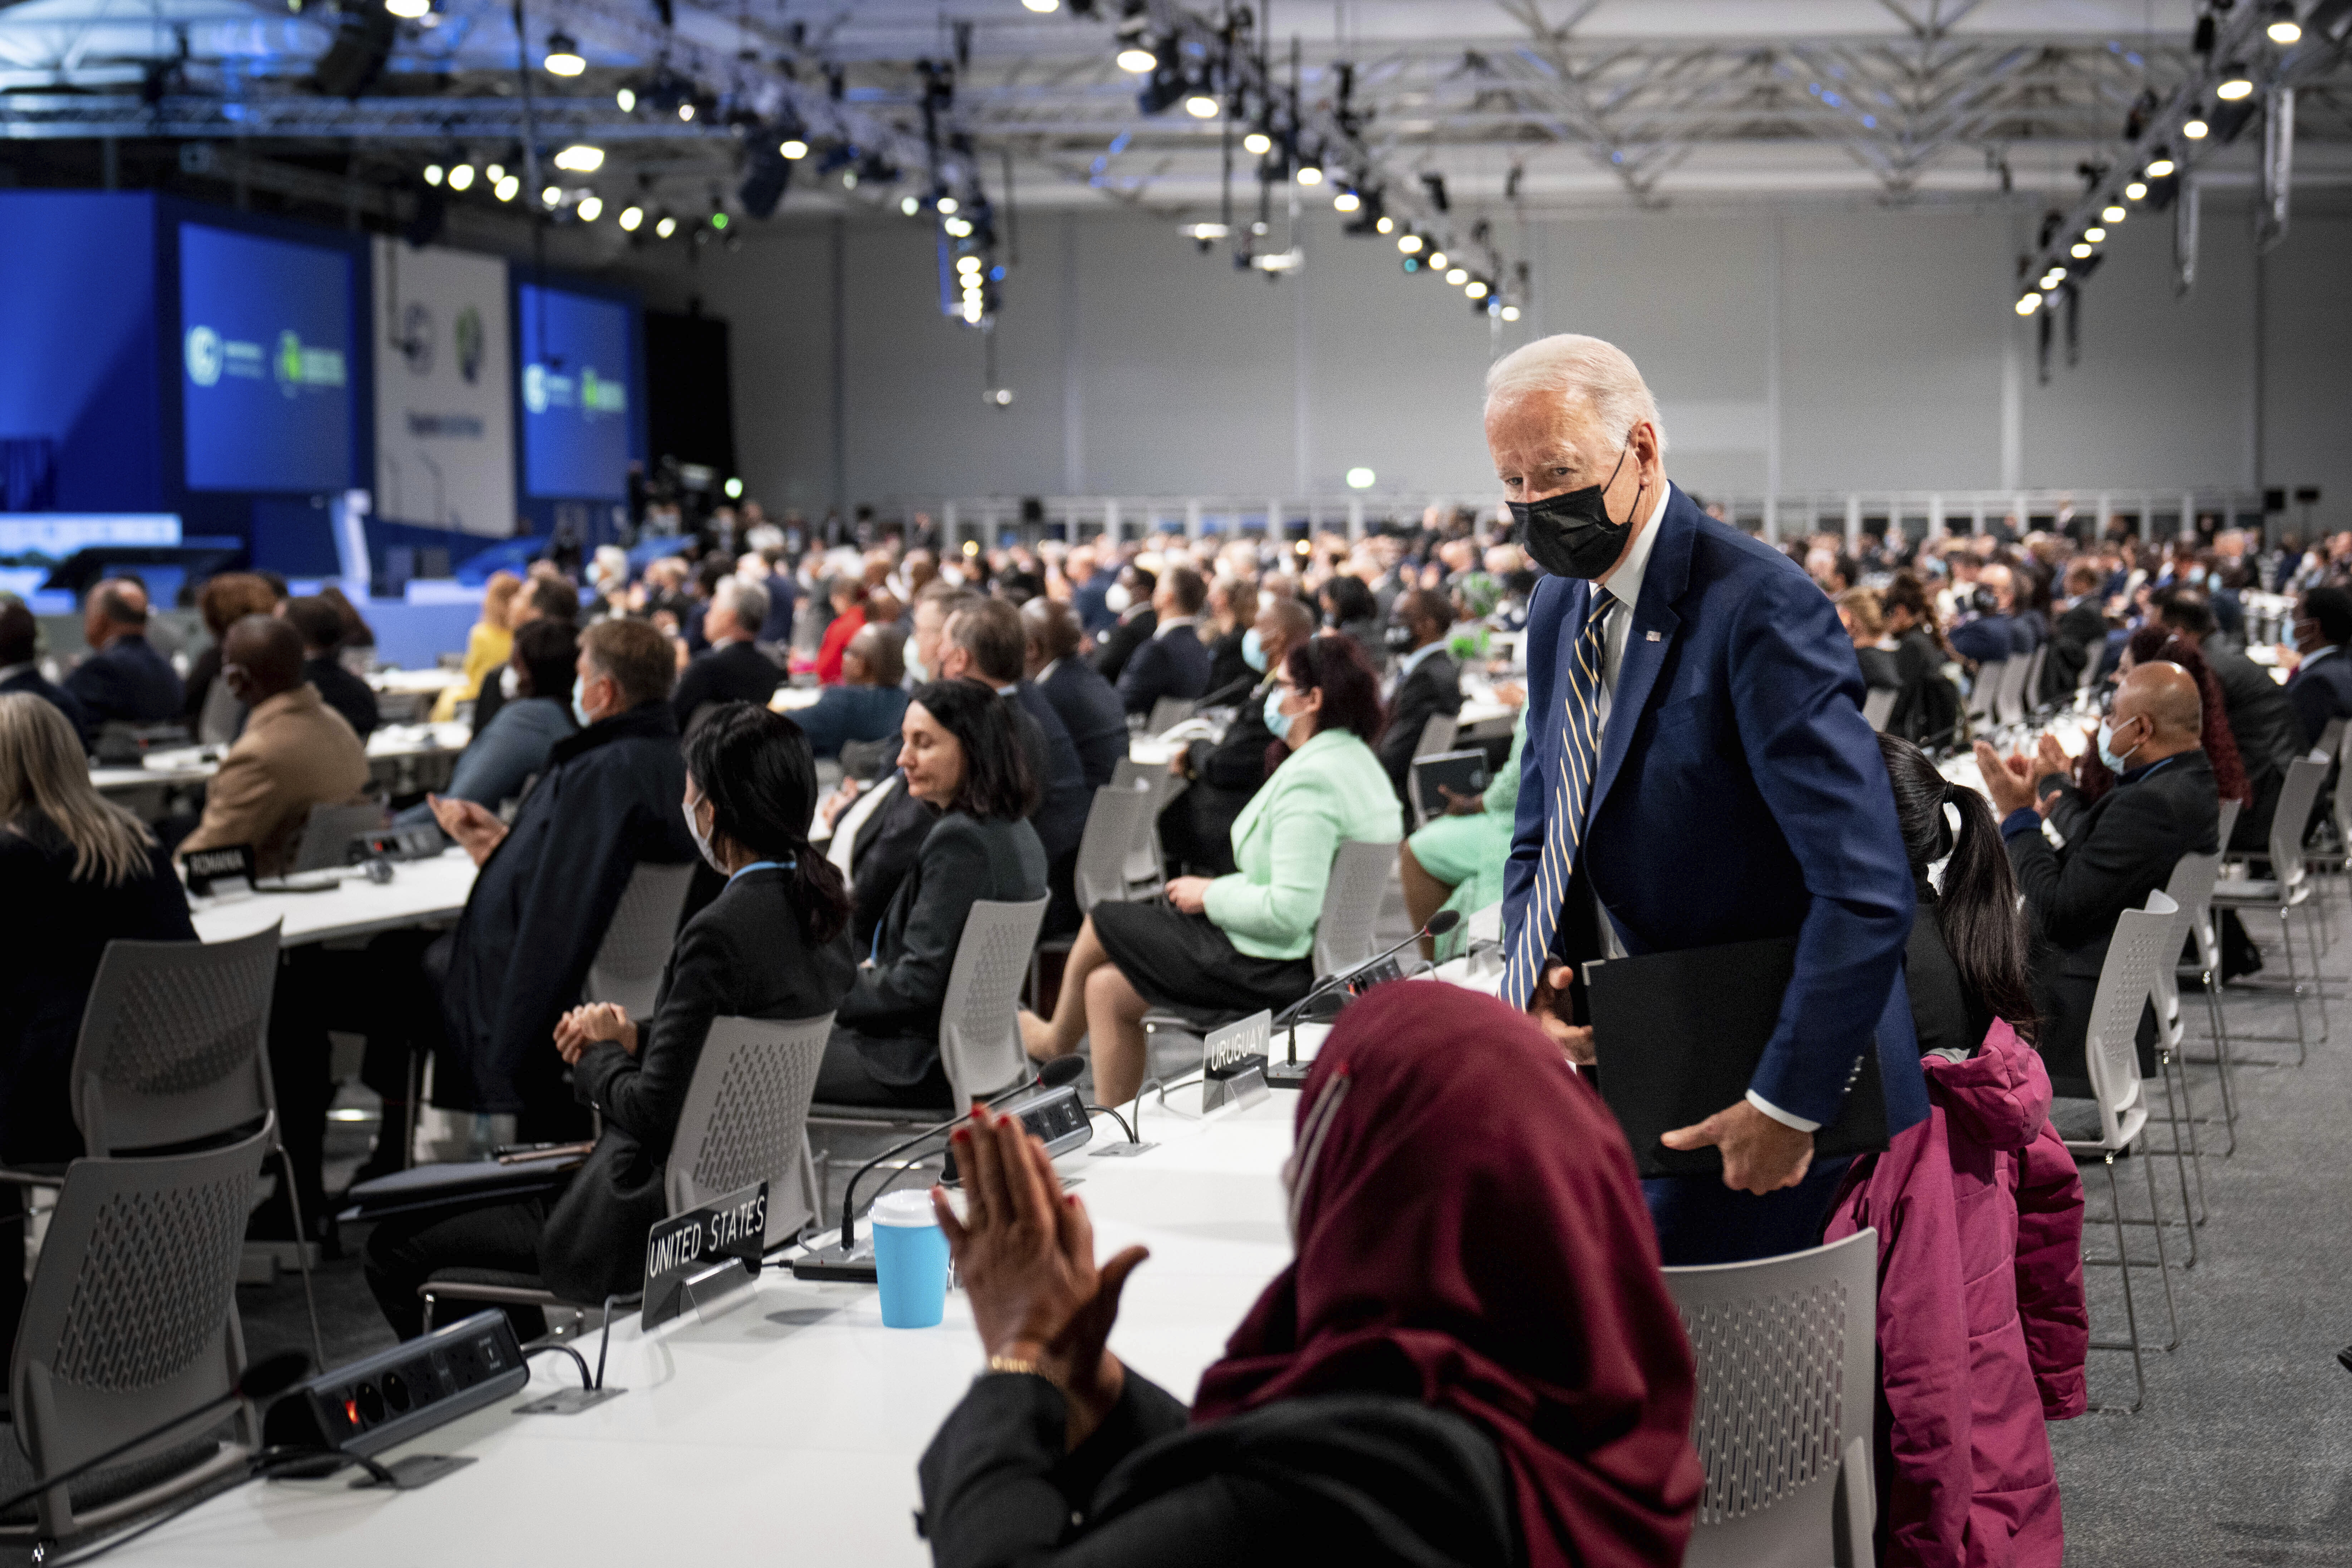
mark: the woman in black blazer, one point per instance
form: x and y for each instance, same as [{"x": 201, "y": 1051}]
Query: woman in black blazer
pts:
[
  {"x": 773, "y": 944},
  {"x": 960, "y": 753},
  {"x": 80, "y": 872}
]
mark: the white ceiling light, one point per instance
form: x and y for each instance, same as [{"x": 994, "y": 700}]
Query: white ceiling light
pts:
[
  {"x": 631, "y": 216},
  {"x": 590, "y": 208},
  {"x": 1257, "y": 143},
  {"x": 1361, "y": 478},
  {"x": 580, "y": 158},
  {"x": 1200, "y": 106},
  {"x": 461, "y": 177},
  {"x": 666, "y": 227},
  {"x": 794, "y": 148},
  {"x": 1137, "y": 58}
]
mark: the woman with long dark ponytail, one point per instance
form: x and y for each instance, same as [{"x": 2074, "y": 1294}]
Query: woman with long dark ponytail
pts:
[
  {"x": 1968, "y": 962},
  {"x": 773, "y": 944}
]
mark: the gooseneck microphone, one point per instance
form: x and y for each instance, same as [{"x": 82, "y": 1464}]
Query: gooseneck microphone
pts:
[
  {"x": 263, "y": 1381},
  {"x": 1290, "y": 1072},
  {"x": 1052, "y": 1075}
]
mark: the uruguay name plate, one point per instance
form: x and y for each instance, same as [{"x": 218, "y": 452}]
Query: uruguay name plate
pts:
[
  {"x": 1234, "y": 1063},
  {"x": 693, "y": 1257}
]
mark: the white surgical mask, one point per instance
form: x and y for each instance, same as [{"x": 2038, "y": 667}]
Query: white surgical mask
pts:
[
  {"x": 580, "y": 701},
  {"x": 701, "y": 840},
  {"x": 509, "y": 683}
]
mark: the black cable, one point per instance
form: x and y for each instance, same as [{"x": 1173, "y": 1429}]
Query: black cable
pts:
[
  {"x": 1115, "y": 1116},
  {"x": 604, "y": 1340},
  {"x": 551, "y": 1346}
]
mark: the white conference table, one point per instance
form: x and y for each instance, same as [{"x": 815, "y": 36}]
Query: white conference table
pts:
[
  {"x": 420, "y": 892},
  {"x": 786, "y": 1427},
  {"x": 183, "y": 765}
]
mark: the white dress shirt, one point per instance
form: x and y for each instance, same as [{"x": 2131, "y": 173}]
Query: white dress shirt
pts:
[{"x": 1623, "y": 586}]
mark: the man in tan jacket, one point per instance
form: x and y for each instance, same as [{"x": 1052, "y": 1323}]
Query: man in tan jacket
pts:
[{"x": 295, "y": 752}]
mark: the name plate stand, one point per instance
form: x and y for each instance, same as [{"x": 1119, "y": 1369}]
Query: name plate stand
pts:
[
  {"x": 695, "y": 1258},
  {"x": 222, "y": 873},
  {"x": 1234, "y": 1063}
]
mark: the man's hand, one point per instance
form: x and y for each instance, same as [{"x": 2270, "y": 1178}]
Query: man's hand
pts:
[
  {"x": 2008, "y": 780},
  {"x": 2050, "y": 757},
  {"x": 477, "y": 830},
  {"x": 1551, "y": 987},
  {"x": 1759, "y": 1155}
]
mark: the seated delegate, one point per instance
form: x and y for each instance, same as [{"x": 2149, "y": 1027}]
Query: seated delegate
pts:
[
  {"x": 535, "y": 717},
  {"x": 1088, "y": 704},
  {"x": 734, "y": 670},
  {"x": 1173, "y": 662},
  {"x": 1426, "y": 681},
  {"x": 20, "y": 670},
  {"x": 962, "y": 757},
  {"x": 321, "y": 626},
  {"x": 773, "y": 944},
  {"x": 124, "y": 679},
  {"x": 2119, "y": 848},
  {"x": 80, "y": 872},
  {"x": 1238, "y": 942},
  {"x": 549, "y": 885},
  {"x": 1455, "y": 859},
  {"x": 1197, "y": 827},
  {"x": 295, "y": 752},
  {"x": 869, "y": 703},
  {"x": 223, "y": 601},
  {"x": 1394, "y": 1397}
]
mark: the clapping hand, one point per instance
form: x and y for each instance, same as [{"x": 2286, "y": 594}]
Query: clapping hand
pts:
[
  {"x": 2008, "y": 780},
  {"x": 584, "y": 1026},
  {"x": 2050, "y": 757},
  {"x": 477, "y": 830},
  {"x": 1025, "y": 1253}
]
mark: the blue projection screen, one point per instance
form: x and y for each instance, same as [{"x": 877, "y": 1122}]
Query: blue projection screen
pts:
[
  {"x": 264, "y": 361},
  {"x": 576, "y": 377}
]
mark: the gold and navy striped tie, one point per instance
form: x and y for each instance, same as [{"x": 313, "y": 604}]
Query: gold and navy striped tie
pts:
[{"x": 1580, "y": 754}]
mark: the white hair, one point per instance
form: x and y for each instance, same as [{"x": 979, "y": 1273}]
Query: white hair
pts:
[
  {"x": 1569, "y": 366},
  {"x": 747, "y": 602}
]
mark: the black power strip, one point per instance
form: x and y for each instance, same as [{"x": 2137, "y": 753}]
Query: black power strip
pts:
[{"x": 370, "y": 1405}]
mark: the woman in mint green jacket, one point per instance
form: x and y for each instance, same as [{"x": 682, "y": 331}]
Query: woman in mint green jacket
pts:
[{"x": 1239, "y": 942}]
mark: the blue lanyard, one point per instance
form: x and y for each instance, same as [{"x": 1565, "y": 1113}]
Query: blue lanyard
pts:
[{"x": 763, "y": 866}]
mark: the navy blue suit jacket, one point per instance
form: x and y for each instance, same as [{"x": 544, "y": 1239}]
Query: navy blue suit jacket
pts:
[
  {"x": 1091, "y": 712},
  {"x": 128, "y": 681},
  {"x": 1739, "y": 794},
  {"x": 31, "y": 683},
  {"x": 2322, "y": 691},
  {"x": 1175, "y": 664}
]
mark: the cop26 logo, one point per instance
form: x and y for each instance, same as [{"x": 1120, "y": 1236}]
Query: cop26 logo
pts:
[{"x": 203, "y": 356}]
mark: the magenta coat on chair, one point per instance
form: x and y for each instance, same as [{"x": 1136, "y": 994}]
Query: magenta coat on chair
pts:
[{"x": 1981, "y": 1323}]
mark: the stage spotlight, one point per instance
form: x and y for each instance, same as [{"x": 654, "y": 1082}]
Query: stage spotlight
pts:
[
  {"x": 793, "y": 149},
  {"x": 563, "y": 56},
  {"x": 552, "y": 197},
  {"x": 461, "y": 177},
  {"x": 1043, "y": 7},
  {"x": 590, "y": 208},
  {"x": 2136, "y": 191},
  {"x": 2080, "y": 251},
  {"x": 968, "y": 265},
  {"x": 1437, "y": 261},
  {"x": 495, "y": 173},
  {"x": 1310, "y": 175},
  {"x": 2194, "y": 129},
  {"x": 1200, "y": 106},
  {"x": 1137, "y": 58},
  {"x": 1358, "y": 479},
  {"x": 2161, "y": 166},
  {"x": 432, "y": 173},
  {"x": 1477, "y": 289},
  {"x": 949, "y": 206},
  {"x": 1410, "y": 244},
  {"x": 734, "y": 488},
  {"x": 2237, "y": 82},
  {"x": 2112, "y": 214},
  {"x": 627, "y": 99},
  {"x": 909, "y": 205},
  {"x": 1384, "y": 225},
  {"x": 1257, "y": 143},
  {"x": 580, "y": 158},
  {"x": 408, "y": 10},
  {"x": 958, "y": 227},
  {"x": 507, "y": 188},
  {"x": 666, "y": 228},
  {"x": 686, "y": 111},
  {"x": 2284, "y": 29},
  {"x": 1511, "y": 312},
  {"x": 2028, "y": 304},
  {"x": 631, "y": 216},
  {"x": 1457, "y": 276},
  {"x": 1347, "y": 202}
]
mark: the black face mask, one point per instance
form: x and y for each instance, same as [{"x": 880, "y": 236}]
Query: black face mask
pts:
[{"x": 1570, "y": 534}]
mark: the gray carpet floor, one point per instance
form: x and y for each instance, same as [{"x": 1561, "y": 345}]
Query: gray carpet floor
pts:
[{"x": 2243, "y": 1453}]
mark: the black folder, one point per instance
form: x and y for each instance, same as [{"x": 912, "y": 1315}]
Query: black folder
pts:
[{"x": 1677, "y": 1037}]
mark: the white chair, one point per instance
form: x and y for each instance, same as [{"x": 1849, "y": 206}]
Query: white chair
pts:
[
  {"x": 2032, "y": 684},
  {"x": 1167, "y": 713},
  {"x": 2191, "y": 888},
  {"x": 2111, "y": 1048},
  {"x": 2008, "y": 697},
  {"x": 1878, "y": 705},
  {"x": 1147, "y": 861},
  {"x": 628, "y": 963},
  {"x": 1116, "y": 821},
  {"x": 2287, "y": 888},
  {"x": 1980, "y": 708},
  {"x": 1787, "y": 1355},
  {"x": 1438, "y": 733}
]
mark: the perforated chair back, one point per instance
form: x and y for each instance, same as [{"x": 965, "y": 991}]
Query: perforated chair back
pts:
[
  {"x": 1980, "y": 694},
  {"x": 1878, "y": 705},
  {"x": 1117, "y": 821},
  {"x": 979, "y": 1041},
  {"x": 2144, "y": 942},
  {"x": 2298, "y": 796},
  {"x": 2191, "y": 888},
  {"x": 130, "y": 1319},
  {"x": 745, "y": 1118},
  {"x": 1438, "y": 733},
  {"x": 628, "y": 963},
  {"x": 171, "y": 1045},
  {"x": 2330, "y": 743},
  {"x": 1787, "y": 1357},
  {"x": 1167, "y": 713},
  {"x": 2033, "y": 677},
  {"x": 1351, "y": 904},
  {"x": 2227, "y": 823},
  {"x": 327, "y": 835},
  {"x": 1146, "y": 864}
]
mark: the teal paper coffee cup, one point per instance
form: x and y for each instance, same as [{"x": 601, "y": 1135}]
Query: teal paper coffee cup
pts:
[{"x": 910, "y": 1260}]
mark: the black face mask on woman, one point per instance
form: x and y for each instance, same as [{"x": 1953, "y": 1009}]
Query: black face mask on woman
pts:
[{"x": 1570, "y": 534}]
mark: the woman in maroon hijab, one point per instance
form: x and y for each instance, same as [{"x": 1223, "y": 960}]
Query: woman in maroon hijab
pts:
[{"x": 1472, "y": 1361}]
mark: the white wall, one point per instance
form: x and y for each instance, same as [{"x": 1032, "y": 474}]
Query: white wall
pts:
[{"x": 1141, "y": 366}]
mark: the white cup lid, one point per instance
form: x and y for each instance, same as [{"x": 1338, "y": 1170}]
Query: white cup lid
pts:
[{"x": 909, "y": 1209}]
